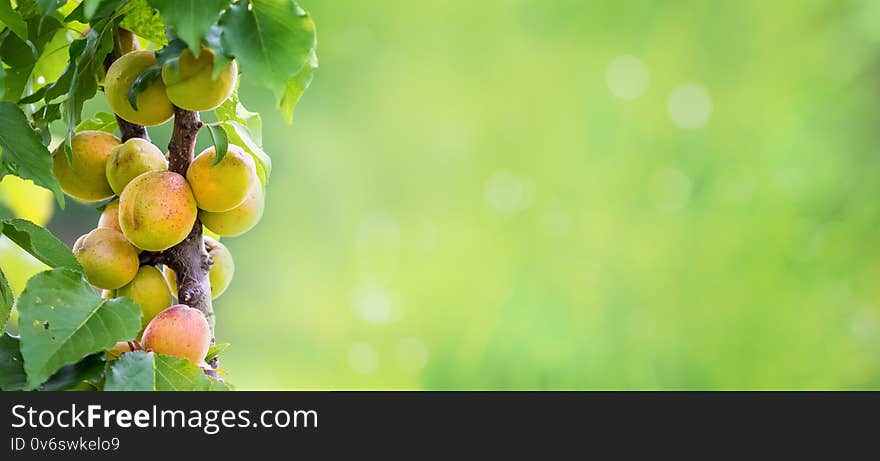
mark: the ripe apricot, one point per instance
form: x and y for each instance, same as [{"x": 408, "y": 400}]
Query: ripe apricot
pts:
[
  {"x": 221, "y": 273},
  {"x": 108, "y": 259},
  {"x": 110, "y": 216},
  {"x": 131, "y": 159},
  {"x": 191, "y": 85},
  {"x": 157, "y": 210},
  {"x": 148, "y": 290},
  {"x": 240, "y": 219},
  {"x": 84, "y": 177},
  {"x": 223, "y": 186},
  {"x": 153, "y": 106},
  {"x": 180, "y": 331}
]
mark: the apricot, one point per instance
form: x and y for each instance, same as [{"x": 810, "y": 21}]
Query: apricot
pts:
[
  {"x": 180, "y": 331},
  {"x": 221, "y": 273},
  {"x": 148, "y": 290},
  {"x": 153, "y": 106},
  {"x": 118, "y": 349},
  {"x": 84, "y": 177},
  {"x": 132, "y": 159},
  {"x": 108, "y": 259},
  {"x": 110, "y": 216},
  {"x": 240, "y": 219},
  {"x": 223, "y": 186},
  {"x": 157, "y": 210},
  {"x": 191, "y": 85}
]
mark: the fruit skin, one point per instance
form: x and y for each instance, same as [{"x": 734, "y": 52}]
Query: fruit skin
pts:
[
  {"x": 131, "y": 159},
  {"x": 191, "y": 86},
  {"x": 221, "y": 273},
  {"x": 180, "y": 331},
  {"x": 224, "y": 186},
  {"x": 85, "y": 179},
  {"x": 154, "y": 108},
  {"x": 157, "y": 210},
  {"x": 118, "y": 349},
  {"x": 107, "y": 258},
  {"x": 110, "y": 217},
  {"x": 149, "y": 290},
  {"x": 240, "y": 219}
]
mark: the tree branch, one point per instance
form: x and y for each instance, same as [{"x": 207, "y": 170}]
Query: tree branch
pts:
[{"x": 189, "y": 259}]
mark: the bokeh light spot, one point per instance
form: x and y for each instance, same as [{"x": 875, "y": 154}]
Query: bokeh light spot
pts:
[
  {"x": 412, "y": 353},
  {"x": 363, "y": 359},
  {"x": 508, "y": 193},
  {"x": 627, "y": 77},
  {"x": 690, "y": 106}
]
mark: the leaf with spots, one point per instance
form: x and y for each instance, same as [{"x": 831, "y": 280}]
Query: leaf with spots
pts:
[
  {"x": 62, "y": 319},
  {"x": 148, "y": 371}
]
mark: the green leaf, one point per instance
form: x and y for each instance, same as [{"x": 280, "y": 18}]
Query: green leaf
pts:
[
  {"x": 144, "y": 21},
  {"x": 168, "y": 55},
  {"x": 80, "y": 376},
  {"x": 61, "y": 319},
  {"x": 12, "y": 376},
  {"x": 190, "y": 19},
  {"x": 101, "y": 121},
  {"x": 239, "y": 135},
  {"x": 94, "y": 10},
  {"x": 84, "y": 81},
  {"x": 296, "y": 86},
  {"x": 233, "y": 110},
  {"x": 220, "y": 140},
  {"x": 24, "y": 154},
  {"x": 272, "y": 39},
  {"x": 45, "y": 115},
  {"x": 48, "y": 7},
  {"x": 215, "y": 350},
  {"x": 6, "y": 300},
  {"x": 148, "y": 371},
  {"x": 40, "y": 243},
  {"x": 13, "y": 19}
]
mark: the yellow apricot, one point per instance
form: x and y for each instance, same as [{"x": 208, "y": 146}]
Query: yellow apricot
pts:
[
  {"x": 157, "y": 210},
  {"x": 132, "y": 159},
  {"x": 221, "y": 273},
  {"x": 118, "y": 349},
  {"x": 180, "y": 331},
  {"x": 191, "y": 86},
  {"x": 108, "y": 259},
  {"x": 110, "y": 217},
  {"x": 84, "y": 178},
  {"x": 240, "y": 219},
  {"x": 148, "y": 290},
  {"x": 153, "y": 106},
  {"x": 223, "y": 186}
]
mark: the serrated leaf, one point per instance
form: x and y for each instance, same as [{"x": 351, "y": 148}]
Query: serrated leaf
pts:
[
  {"x": 94, "y": 10},
  {"x": 13, "y": 19},
  {"x": 239, "y": 135},
  {"x": 215, "y": 350},
  {"x": 6, "y": 300},
  {"x": 145, "y": 21},
  {"x": 220, "y": 141},
  {"x": 272, "y": 39},
  {"x": 62, "y": 319},
  {"x": 84, "y": 81},
  {"x": 24, "y": 154},
  {"x": 12, "y": 376},
  {"x": 101, "y": 121},
  {"x": 190, "y": 19},
  {"x": 296, "y": 86},
  {"x": 148, "y": 371},
  {"x": 40, "y": 243}
]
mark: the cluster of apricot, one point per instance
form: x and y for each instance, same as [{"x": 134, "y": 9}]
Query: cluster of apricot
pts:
[{"x": 154, "y": 209}]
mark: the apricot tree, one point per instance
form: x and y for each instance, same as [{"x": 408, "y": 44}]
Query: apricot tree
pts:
[{"x": 130, "y": 305}]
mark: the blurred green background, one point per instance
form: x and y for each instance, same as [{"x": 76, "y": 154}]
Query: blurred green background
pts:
[{"x": 513, "y": 194}]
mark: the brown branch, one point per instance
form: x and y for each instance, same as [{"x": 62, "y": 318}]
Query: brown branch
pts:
[{"x": 189, "y": 259}]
